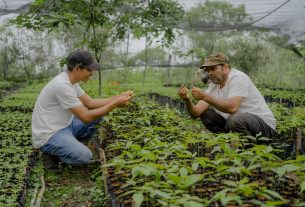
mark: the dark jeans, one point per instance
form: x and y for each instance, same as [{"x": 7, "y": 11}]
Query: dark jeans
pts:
[{"x": 244, "y": 123}]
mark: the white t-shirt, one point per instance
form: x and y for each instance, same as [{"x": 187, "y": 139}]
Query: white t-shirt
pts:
[
  {"x": 239, "y": 84},
  {"x": 51, "y": 112}
]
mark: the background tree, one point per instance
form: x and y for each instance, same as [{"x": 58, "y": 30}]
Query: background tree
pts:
[
  {"x": 155, "y": 56},
  {"x": 103, "y": 22},
  {"x": 149, "y": 57},
  {"x": 29, "y": 54},
  {"x": 247, "y": 52},
  {"x": 209, "y": 23}
]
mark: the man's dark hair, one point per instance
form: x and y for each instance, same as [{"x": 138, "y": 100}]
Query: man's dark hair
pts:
[{"x": 83, "y": 59}]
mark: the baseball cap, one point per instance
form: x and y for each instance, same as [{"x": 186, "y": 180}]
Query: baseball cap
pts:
[
  {"x": 82, "y": 58},
  {"x": 215, "y": 59}
]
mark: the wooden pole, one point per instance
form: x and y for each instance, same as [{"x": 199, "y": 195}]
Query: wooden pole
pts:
[
  {"x": 299, "y": 142},
  {"x": 105, "y": 172}
]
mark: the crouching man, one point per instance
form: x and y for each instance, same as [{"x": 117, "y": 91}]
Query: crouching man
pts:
[
  {"x": 231, "y": 103},
  {"x": 65, "y": 117}
]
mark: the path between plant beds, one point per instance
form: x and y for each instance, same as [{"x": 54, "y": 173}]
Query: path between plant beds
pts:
[{"x": 72, "y": 186}]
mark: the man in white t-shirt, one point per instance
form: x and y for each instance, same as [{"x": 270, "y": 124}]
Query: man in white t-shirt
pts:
[
  {"x": 231, "y": 102},
  {"x": 64, "y": 115}
]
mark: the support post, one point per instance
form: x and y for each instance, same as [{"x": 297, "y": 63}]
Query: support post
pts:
[
  {"x": 105, "y": 171},
  {"x": 299, "y": 142}
]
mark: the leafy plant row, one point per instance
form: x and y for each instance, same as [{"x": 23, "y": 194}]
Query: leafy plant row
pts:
[
  {"x": 290, "y": 98},
  {"x": 24, "y": 106},
  {"x": 288, "y": 120},
  {"x": 286, "y": 97},
  {"x": 15, "y": 146},
  {"x": 156, "y": 158}
]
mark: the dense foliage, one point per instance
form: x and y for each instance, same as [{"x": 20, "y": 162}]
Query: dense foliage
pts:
[
  {"x": 15, "y": 146},
  {"x": 159, "y": 159},
  {"x": 156, "y": 156}
]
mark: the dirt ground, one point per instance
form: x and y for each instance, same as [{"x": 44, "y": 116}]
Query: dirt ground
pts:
[{"x": 69, "y": 186}]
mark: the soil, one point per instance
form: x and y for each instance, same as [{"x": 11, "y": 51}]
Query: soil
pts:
[{"x": 70, "y": 186}]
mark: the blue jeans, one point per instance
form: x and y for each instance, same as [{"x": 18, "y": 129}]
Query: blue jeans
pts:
[{"x": 66, "y": 143}]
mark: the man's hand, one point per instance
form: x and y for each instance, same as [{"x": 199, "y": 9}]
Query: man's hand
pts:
[
  {"x": 183, "y": 93},
  {"x": 123, "y": 99},
  {"x": 199, "y": 94},
  {"x": 129, "y": 93}
]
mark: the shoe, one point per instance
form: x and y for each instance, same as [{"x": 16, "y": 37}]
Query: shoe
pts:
[
  {"x": 85, "y": 142},
  {"x": 50, "y": 162}
]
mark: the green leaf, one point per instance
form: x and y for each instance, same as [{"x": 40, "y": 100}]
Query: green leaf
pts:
[
  {"x": 195, "y": 166},
  {"x": 252, "y": 167},
  {"x": 302, "y": 186},
  {"x": 138, "y": 198},
  {"x": 173, "y": 169},
  {"x": 268, "y": 149},
  {"x": 128, "y": 144},
  {"x": 163, "y": 203},
  {"x": 216, "y": 149},
  {"x": 183, "y": 171},
  {"x": 224, "y": 200},
  {"x": 191, "y": 180},
  {"x": 230, "y": 183},
  {"x": 135, "y": 147},
  {"x": 234, "y": 170},
  {"x": 193, "y": 204},
  {"x": 263, "y": 139},
  {"x": 148, "y": 155},
  {"x": 291, "y": 167},
  {"x": 285, "y": 168},
  {"x": 274, "y": 194},
  {"x": 280, "y": 171},
  {"x": 299, "y": 204},
  {"x": 275, "y": 203},
  {"x": 162, "y": 194}
]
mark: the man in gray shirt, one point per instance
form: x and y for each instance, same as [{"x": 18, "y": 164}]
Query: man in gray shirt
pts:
[
  {"x": 64, "y": 115},
  {"x": 231, "y": 102}
]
